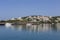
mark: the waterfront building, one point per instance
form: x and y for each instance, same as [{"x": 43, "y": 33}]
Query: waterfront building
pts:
[
  {"x": 29, "y": 17},
  {"x": 58, "y": 18},
  {"x": 12, "y": 18},
  {"x": 19, "y": 18},
  {"x": 45, "y": 18}
]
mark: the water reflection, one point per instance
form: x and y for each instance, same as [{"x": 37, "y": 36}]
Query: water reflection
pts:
[
  {"x": 37, "y": 28},
  {"x": 54, "y": 27}
]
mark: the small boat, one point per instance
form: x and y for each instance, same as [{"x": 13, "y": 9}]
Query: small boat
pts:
[
  {"x": 8, "y": 24},
  {"x": 28, "y": 24}
]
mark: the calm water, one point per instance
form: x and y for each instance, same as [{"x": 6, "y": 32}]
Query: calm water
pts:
[{"x": 33, "y": 32}]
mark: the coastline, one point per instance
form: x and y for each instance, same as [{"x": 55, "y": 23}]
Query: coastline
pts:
[
  {"x": 24, "y": 23},
  {"x": 34, "y": 20}
]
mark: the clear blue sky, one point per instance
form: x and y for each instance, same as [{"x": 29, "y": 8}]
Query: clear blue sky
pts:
[{"x": 16, "y": 8}]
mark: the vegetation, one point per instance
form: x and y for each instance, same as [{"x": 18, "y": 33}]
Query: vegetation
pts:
[{"x": 27, "y": 19}]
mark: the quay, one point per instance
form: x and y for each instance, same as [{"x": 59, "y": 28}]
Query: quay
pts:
[
  {"x": 23, "y": 23},
  {"x": 2, "y": 23}
]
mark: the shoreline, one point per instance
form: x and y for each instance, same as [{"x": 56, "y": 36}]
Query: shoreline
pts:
[{"x": 24, "y": 23}]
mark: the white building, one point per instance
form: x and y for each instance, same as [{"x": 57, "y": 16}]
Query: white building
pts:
[
  {"x": 45, "y": 18},
  {"x": 19, "y": 18},
  {"x": 29, "y": 17},
  {"x": 12, "y": 18}
]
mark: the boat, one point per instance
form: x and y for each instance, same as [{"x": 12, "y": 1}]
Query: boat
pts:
[
  {"x": 8, "y": 24},
  {"x": 28, "y": 24}
]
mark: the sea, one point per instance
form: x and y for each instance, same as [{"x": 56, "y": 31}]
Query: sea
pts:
[{"x": 31, "y": 32}]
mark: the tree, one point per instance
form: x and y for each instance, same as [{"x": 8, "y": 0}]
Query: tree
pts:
[{"x": 53, "y": 19}]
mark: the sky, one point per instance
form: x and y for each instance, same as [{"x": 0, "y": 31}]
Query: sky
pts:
[{"x": 20, "y": 8}]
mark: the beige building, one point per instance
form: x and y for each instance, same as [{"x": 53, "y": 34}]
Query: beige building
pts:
[{"x": 58, "y": 18}]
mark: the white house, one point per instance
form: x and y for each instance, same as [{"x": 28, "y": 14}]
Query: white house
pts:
[
  {"x": 45, "y": 18},
  {"x": 19, "y": 18},
  {"x": 12, "y": 18}
]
